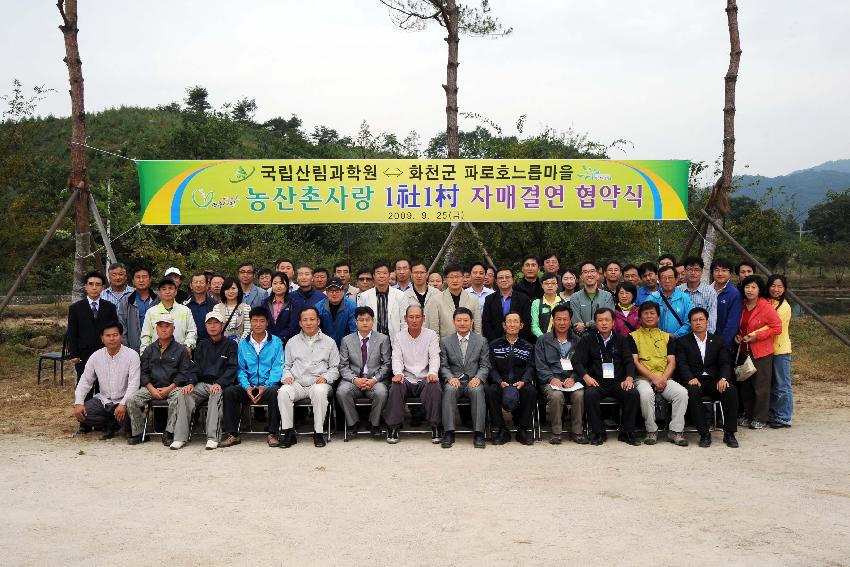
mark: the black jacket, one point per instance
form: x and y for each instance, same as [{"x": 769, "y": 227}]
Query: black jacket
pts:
[
  {"x": 492, "y": 318},
  {"x": 689, "y": 363},
  {"x": 216, "y": 363},
  {"x": 511, "y": 363},
  {"x": 534, "y": 290},
  {"x": 84, "y": 329},
  {"x": 588, "y": 356},
  {"x": 172, "y": 366}
]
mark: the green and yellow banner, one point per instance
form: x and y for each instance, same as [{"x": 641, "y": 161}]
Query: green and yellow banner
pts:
[{"x": 304, "y": 191}]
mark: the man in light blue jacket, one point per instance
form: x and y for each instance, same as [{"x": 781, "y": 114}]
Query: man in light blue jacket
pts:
[
  {"x": 674, "y": 305},
  {"x": 259, "y": 375}
]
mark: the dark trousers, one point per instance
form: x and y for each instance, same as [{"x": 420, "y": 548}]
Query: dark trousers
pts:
[
  {"x": 629, "y": 401},
  {"x": 521, "y": 415},
  {"x": 755, "y": 392},
  {"x": 234, "y": 397},
  {"x": 100, "y": 415},
  {"x": 431, "y": 394},
  {"x": 728, "y": 401}
]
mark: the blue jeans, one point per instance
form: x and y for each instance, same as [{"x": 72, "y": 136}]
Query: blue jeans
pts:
[{"x": 781, "y": 396}]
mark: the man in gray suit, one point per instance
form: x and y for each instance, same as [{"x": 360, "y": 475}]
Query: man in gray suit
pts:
[
  {"x": 464, "y": 366},
  {"x": 364, "y": 366}
]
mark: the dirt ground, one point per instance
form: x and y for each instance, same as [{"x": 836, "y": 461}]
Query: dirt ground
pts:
[{"x": 783, "y": 498}]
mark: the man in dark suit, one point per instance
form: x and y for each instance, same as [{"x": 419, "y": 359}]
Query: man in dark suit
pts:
[
  {"x": 464, "y": 367},
  {"x": 498, "y": 305},
  {"x": 85, "y": 319},
  {"x": 704, "y": 367},
  {"x": 364, "y": 368}
]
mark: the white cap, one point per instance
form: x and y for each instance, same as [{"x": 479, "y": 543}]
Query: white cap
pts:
[{"x": 173, "y": 270}]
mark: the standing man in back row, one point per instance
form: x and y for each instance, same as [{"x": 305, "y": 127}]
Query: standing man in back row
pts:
[
  {"x": 386, "y": 302},
  {"x": 439, "y": 315},
  {"x": 591, "y": 298}
]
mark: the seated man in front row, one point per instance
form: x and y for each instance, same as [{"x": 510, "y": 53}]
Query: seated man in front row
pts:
[
  {"x": 165, "y": 367},
  {"x": 260, "y": 357},
  {"x": 704, "y": 366},
  {"x": 216, "y": 363},
  {"x": 654, "y": 353},
  {"x": 553, "y": 353},
  {"x": 364, "y": 368},
  {"x": 511, "y": 381},
  {"x": 464, "y": 367},
  {"x": 416, "y": 362},
  {"x": 310, "y": 366},
  {"x": 115, "y": 367},
  {"x": 603, "y": 362}
]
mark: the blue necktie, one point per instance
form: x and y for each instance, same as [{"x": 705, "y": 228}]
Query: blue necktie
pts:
[{"x": 94, "y": 309}]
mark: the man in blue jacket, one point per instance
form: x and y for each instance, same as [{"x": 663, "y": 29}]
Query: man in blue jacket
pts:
[
  {"x": 259, "y": 375},
  {"x": 729, "y": 303},
  {"x": 673, "y": 303},
  {"x": 336, "y": 312}
]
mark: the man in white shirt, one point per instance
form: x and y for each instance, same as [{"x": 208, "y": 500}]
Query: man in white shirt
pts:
[
  {"x": 477, "y": 273},
  {"x": 387, "y": 302},
  {"x": 115, "y": 368}
]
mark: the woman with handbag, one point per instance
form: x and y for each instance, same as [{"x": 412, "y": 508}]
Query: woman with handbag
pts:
[
  {"x": 626, "y": 317},
  {"x": 781, "y": 396},
  {"x": 759, "y": 324},
  {"x": 541, "y": 309},
  {"x": 235, "y": 313}
]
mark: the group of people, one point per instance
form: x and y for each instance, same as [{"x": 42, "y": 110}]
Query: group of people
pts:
[{"x": 655, "y": 337}]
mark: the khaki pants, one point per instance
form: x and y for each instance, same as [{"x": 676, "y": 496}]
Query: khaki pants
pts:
[
  {"x": 186, "y": 406},
  {"x": 136, "y": 408},
  {"x": 555, "y": 409}
]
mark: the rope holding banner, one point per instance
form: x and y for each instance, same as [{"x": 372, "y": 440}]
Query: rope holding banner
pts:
[
  {"x": 116, "y": 239},
  {"x": 103, "y": 151}
]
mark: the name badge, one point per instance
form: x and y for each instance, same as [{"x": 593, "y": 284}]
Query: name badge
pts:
[
  {"x": 566, "y": 364},
  {"x": 608, "y": 370}
]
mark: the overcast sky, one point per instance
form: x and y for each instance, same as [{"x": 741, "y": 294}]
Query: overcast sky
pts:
[{"x": 649, "y": 71}]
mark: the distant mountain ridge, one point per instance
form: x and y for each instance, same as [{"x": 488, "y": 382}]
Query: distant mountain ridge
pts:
[{"x": 807, "y": 186}]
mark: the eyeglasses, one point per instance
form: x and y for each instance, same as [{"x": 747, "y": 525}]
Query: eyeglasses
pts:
[{"x": 589, "y": 272}]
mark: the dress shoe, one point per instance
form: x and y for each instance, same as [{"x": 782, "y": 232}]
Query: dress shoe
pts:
[
  {"x": 134, "y": 439},
  {"x": 289, "y": 439},
  {"x": 272, "y": 440},
  {"x": 167, "y": 438},
  {"x": 555, "y": 439},
  {"x": 392, "y": 435},
  {"x": 729, "y": 439},
  {"x": 628, "y": 438},
  {"x": 319, "y": 439},
  {"x": 478, "y": 440},
  {"x": 677, "y": 438},
  {"x": 375, "y": 430},
  {"x": 705, "y": 439},
  {"x": 502, "y": 436},
  {"x": 230, "y": 441},
  {"x": 436, "y": 436},
  {"x": 110, "y": 431},
  {"x": 596, "y": 439},
  {"x": 524, "y": 436},
  {"x": 651, "y": 438},
  {"x": 777, "y": 425},
  {"x": 448, "y": 440},
  {"x": 84, "y": 429},
  {"x": 578, "y": 438}
]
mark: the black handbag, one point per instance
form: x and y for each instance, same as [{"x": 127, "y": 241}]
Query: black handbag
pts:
[{"x": 662, "y": 408}]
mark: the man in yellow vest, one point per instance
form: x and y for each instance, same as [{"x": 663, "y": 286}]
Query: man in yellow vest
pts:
[{"x": 654, "y": 354}]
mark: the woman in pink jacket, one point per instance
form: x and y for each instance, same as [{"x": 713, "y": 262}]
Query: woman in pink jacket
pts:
[
  {"x": 626, "y": 317},
  {"x": 759, "y": 324}
]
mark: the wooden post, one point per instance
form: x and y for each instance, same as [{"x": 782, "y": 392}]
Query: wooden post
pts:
[{"x": 806, "y": 307}]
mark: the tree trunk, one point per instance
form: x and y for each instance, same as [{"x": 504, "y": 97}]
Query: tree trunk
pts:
[
  {"x": 718, "y": 207},
  {"x": 78, "y": 177},
  {"x": 452, "y": 142}
]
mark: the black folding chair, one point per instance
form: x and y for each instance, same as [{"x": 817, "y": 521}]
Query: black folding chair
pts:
[{"x": 56, "y": 358}]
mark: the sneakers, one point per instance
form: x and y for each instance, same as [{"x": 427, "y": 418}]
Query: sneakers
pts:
[
  {"x": 229, "y": 441},
  {"x": 729, "y": 439},
  {"x": 705, "y": 439},
  {"x": 167, "y": 438},
  {"x": 578, "y": 438},
  {"x": 555, "y": 439},
  {"x": 651, "y": 438},
  {"x": 392, "y": 435},
  {"x": 677, "y": 438},
  {"x": 176, "y": 445},
  {"x": 212, "y": 444},
  {"x": 436, "y": 436},
  {"x": 744, "y": 422},
  {"x": 757, "y": 424}
]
